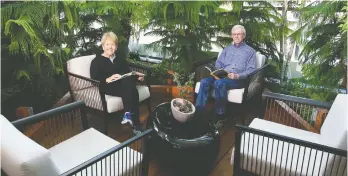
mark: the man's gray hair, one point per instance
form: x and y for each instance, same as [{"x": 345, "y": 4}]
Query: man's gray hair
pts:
[{"x": 239, "y": 27}]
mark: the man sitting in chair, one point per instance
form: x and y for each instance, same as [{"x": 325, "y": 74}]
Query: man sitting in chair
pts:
[{"x": 238, "y": 60}]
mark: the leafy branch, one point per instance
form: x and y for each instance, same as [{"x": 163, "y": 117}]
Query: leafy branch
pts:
[{"x": 184, "y": 83}]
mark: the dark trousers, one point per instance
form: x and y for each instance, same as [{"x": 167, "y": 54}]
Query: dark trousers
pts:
[
  {"x": 126, "y": 89},
  {"x": 220, "y": 88}
]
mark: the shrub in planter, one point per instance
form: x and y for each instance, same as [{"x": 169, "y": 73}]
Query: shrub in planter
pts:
[{"x": 182, "y": 108}]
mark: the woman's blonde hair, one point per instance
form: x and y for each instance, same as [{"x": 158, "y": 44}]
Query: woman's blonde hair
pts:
[{"x": 109, "y": 36}]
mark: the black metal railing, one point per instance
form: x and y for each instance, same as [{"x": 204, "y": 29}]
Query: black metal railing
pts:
[
  {"x": 294, "y": 111},
  {"x": 56, "y": 125},
  {"x": 128, "y": 158},
  {"x": 267, "y": 154}
]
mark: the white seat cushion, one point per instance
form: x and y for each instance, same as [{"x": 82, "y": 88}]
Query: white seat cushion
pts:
[
  {"x": 89, "y": 144},
  {"x": 20, "y": 156},
  {"x": 334, "y": 129},
  {"x": 254, "y": 147},
  {"x": 233, "y": 95},
  {"x": 114, "y": 104}
]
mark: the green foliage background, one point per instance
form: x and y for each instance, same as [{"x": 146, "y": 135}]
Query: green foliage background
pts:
[{"x": 38, "y": 37}]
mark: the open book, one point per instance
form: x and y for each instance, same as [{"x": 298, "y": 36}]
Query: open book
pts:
[
  {"x": 132, "y": 73},
  {"x": 217, "y": 73}
]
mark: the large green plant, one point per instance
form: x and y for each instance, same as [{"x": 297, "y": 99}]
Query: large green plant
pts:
[
  {"x": 260, "y": 20},
  {"x": 38, "y": 37},
  {"x": 36, "y": 30},
  {"x": 111, "y": 16},
  {"x": 324, "y": 43},
  {"x": 301, "y": 87},
  {"x": 34, "y": 48},
  {"x": 185, "y": 28}
]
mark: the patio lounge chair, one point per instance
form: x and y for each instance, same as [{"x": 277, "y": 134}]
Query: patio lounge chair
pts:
[
  {"x": 60, "y": 143},
  {"x": 82, "y": 87},
  {"x": 282, "y": 147}
]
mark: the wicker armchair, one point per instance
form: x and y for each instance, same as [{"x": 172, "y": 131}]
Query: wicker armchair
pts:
[
  {"x": 254, "y": 82},
  {"x": 82, "y": 87}
]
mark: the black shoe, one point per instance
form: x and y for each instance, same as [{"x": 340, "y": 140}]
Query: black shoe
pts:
[
  {"x": 137, "y": 130},
  {"x": 220, "y": 117},
  {"x": 220, "y": 120}
]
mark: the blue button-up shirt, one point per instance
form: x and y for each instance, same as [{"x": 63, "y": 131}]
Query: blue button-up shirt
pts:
[{"x": 239, "y": 59}]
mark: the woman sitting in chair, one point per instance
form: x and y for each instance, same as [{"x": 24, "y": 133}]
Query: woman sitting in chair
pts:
[{"x": 108, "y": 68}]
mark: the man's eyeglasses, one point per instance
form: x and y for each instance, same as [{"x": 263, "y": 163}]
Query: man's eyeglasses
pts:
[{"x": 238, "y": 34}]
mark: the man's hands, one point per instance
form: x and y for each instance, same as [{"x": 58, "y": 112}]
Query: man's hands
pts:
[
  {"x": 113, "y": 77},
  {"x": 233, "y": 76}
]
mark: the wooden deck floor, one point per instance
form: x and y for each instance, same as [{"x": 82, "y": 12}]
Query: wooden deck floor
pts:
[{"x": 158, "y": 167}]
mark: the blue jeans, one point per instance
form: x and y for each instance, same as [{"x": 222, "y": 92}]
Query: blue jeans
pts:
[{"x": 221, "y": 87}]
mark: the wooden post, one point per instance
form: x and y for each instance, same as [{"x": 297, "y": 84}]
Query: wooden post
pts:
[
  {"x": 170, "y": 77},
  {"x": 320, "y": 118},
  {"x": 24, "y": 111}
]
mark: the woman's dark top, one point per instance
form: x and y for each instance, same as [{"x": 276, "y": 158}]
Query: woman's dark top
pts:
[{"x": 102, "y": 68}]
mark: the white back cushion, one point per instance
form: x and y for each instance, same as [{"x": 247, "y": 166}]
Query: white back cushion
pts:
[
  {"x": 334, "y": 129},
  {"x": 260, "y": 60},
  {"x": 80, "y": 65},
  {"x": 22, "y": 156}
]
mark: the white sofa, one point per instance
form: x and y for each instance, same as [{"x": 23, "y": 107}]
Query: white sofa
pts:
[
  {"x": 333, "y": 133},
  {"x": 21, "y": 156},
  {"x": 237, "y": 95}
]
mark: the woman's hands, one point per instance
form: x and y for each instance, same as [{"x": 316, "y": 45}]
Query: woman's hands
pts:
[
  {"x": 117, "y": 76},
  {"x": 113, "y": 77},
  {"x": 140, "y": 76}
]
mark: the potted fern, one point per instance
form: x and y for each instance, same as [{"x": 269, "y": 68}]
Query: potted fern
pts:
[{"x": 182, "y": 108}]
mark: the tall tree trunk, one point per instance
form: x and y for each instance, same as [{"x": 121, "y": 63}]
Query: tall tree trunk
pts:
[
  {"x": 283, "y": 42},
  {"x": 288, "y": 57},
  {"x": 344, "y": 78},
  {"x": 344, "y": 82}
]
